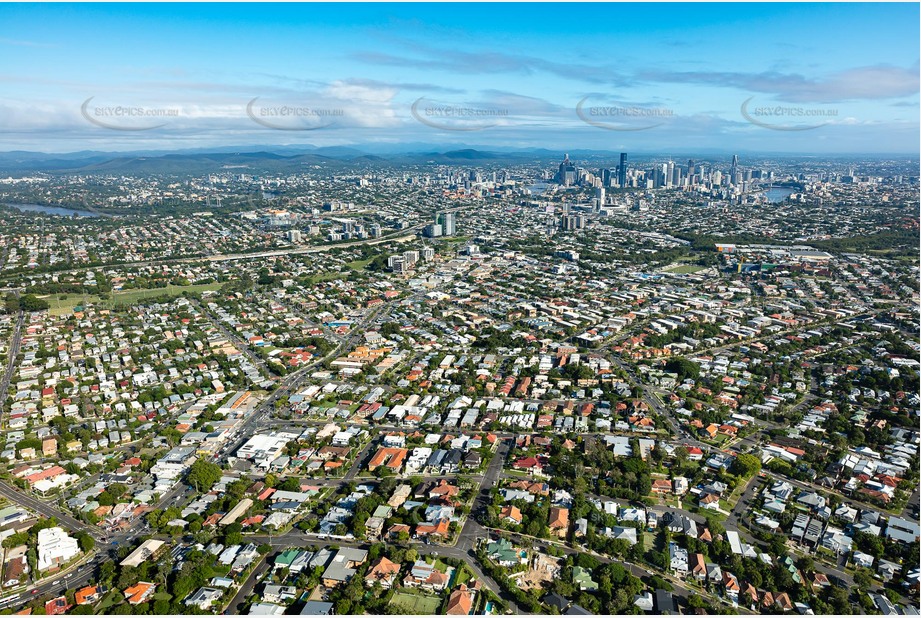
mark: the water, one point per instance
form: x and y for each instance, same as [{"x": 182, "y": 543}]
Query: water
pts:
[
  {"x": 52, "y": 210},
  {"x": 777, "y": 194},
  {"x": 538, "y": 188}
]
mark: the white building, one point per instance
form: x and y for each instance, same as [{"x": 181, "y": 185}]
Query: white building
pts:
[
  {"x": 55, "y": 548},
  {"x": 263, "y": 449}
]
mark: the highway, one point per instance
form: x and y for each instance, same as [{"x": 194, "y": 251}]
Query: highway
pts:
[
  {"x": 400, "y": 236},
  {"x": 27, "y": 500}
]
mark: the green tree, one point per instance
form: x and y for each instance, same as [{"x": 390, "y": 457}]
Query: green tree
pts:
[
  {"x": 684, "y": 368},
  {"x": 86, "y": 542},
  {"x": 746, "y": 465},
  {"x": 204, "y": 474},
  {"x": 863, "y": 580}
]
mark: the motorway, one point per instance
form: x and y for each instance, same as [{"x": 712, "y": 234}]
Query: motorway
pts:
[{"x": 405, "y": 235}]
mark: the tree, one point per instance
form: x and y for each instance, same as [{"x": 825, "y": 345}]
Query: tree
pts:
[
  {"x": 863, "y": 580},
  {"x": 233, "y": 538},
  {"x": 15, "y": 540},
  {"x": 86, "y": 542},
  {"x": 684, "y": 368},
  {"x": 106, "y": 572},
  {"x": 290, "y": 484},
  {"x": 30, "y": 302},
  {"x": 746, "y": 465},
  {"x": 203, "y": 474}
]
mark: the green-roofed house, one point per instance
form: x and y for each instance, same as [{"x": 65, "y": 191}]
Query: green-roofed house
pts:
[
  {"x": 503, "y": 553},
  {"x": 383, "y": 511},
  {"x": 583, "y": 579},
  {"x": 284, "y": 559}
]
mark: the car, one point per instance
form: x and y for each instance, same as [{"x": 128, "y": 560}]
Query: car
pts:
[{"x": 33, "y": 591}]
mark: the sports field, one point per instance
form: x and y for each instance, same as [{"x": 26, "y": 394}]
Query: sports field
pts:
[{"x": 412, "y": 603}]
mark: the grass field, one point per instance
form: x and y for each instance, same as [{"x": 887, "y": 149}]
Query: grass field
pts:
[
  {"x": 684, "y": 269},
  {"x": 331, "y": 275},
  {"x": 327, "y": 276},
  {"x": 415, "y": 603},
  {"x": 359, "y": 264},
  {"x": 63, "y": 304}
]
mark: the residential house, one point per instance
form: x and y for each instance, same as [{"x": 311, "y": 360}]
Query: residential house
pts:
[
  {"x": 698, "y": 567},
  {"x": 426, "y": 576},
  {"x": 558, "y": 522},
  {"x": 204, "y": 598},
  {"x": 460, "y": 602},
  {"x": 141, "y": 592},
  {"x": 582, "y": 578},
  {"x": 382, "y": 571},
  {"x": 511, "y": 514},
  {"x": 678, "y": 559}
]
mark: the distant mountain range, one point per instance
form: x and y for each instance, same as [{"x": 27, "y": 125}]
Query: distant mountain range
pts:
[
  {"x": 255, "y": 158},
  {"x": 290, "y": 159}
]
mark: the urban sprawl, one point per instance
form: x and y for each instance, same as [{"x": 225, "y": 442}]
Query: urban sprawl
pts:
[{"x": 615, "y": 385}]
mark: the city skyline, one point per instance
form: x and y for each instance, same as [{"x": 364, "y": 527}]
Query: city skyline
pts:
[{"x": 624, "y": 77}]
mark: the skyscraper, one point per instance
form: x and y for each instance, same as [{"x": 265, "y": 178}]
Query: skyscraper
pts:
[
  {"x": 733, "y": 168},
  {"x": 622, "y": 171},
  {"x": 567, "y": 173},
  {"x": 449, "y": 226},
  {"x": 605, "y": 177}
]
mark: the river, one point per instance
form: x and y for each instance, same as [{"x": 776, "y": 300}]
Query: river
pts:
[{"x": 52, "y": 210}]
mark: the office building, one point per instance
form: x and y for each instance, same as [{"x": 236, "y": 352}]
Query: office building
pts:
[
  {"x": 599, "y": 198},
  {"x": 449, "y": 224},
  {"x": 606, "y": 177},
  {"x": 566, "y": 175},
  {"x": 622, "y": 171}
]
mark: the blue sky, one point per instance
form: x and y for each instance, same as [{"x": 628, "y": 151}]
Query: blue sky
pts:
[{"x": 810, "y": 78}]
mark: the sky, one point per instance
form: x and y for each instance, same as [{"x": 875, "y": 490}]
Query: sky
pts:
[{"x": 769, "y": 78}]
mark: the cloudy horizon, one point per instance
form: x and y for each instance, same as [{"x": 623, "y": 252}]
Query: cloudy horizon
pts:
[{"x": 804, "y": 78}]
